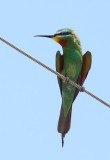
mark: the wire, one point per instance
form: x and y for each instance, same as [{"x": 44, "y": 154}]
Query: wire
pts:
[{"x": 66, "y": 79}]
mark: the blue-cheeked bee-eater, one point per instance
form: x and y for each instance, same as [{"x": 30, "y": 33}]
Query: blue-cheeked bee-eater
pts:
[{"x": 71, "y": 64}]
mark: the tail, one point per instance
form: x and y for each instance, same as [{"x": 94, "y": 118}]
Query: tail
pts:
[{"x": 64, "y": 123}]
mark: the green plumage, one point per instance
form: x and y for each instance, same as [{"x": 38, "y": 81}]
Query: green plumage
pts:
[{"x": 72, "y": 68}]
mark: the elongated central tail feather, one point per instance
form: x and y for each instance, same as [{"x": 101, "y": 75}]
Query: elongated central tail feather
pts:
[{"x": 64, "y": 123}]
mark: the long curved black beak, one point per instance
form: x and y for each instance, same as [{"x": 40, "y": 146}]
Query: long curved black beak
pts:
[{"x": 47, "y": 36}]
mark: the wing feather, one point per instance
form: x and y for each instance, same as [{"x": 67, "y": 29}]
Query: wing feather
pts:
[
  {"x": 87, "y": 60},
  {"x": 59, "y": 67}
]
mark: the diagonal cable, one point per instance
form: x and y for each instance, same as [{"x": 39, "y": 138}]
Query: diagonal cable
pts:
[{"x": 66, "y": 79}]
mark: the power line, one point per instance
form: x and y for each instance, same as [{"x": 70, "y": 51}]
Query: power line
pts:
[{"x": 66, "y": 79}]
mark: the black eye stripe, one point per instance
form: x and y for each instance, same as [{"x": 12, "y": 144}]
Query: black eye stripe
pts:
[{"x": 63, "y": 33}]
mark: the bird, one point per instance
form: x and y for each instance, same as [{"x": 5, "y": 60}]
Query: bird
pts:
[{"x": 74, "y": 65}]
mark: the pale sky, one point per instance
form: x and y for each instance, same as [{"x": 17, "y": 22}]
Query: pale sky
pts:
[{"x": 30, "y": 99}]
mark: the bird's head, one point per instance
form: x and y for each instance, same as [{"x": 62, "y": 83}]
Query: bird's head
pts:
[{"x": 63, "y": 37}]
